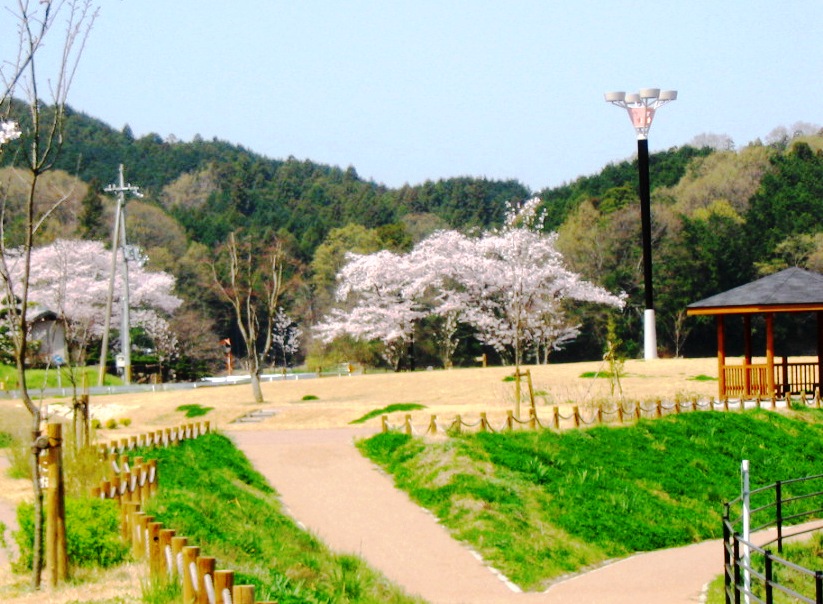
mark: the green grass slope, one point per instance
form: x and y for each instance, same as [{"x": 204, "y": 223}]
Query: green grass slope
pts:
[
  {"x": 538, "y": 505},
  {"x": 210, "y": 493}
]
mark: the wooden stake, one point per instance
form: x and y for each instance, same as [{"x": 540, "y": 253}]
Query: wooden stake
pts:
[
  {"x": 190, "y": 553},
  {"x": 205, "y": 567},
  {"x": 56, "y": 557},
  {"x": 243, "y": 594},
  {"x": 223, "y": 583}
]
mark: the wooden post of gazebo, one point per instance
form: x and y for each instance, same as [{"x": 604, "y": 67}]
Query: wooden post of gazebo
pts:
[
  {"x": 769, "y": 354},
  {"x": 721, "y": 353},
  {"x": 819, "y": 351},
  {"x": 747, "y": 354}
]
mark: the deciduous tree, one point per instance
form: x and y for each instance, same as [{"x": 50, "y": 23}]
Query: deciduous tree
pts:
[
  {"x": 248, "y": 274},
  {"x": 40, "y": 144}
]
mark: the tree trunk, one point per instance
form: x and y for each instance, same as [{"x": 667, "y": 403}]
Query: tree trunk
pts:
[
  {"x": 254, "y": 373},
  {"x": 37, "y": 549}
]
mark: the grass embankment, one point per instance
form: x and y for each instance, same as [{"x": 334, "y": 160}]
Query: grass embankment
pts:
[
  {"x": 210, "y": 493},
  {"x": 538, "y": 505}
]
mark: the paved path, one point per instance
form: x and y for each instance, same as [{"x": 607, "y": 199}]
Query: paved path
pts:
[{"x": 348, "y": 503}]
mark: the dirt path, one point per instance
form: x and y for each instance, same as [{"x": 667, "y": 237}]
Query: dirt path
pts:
[
  {"x": 8, "y": 519},
  {"x": 348, "y": 503}
]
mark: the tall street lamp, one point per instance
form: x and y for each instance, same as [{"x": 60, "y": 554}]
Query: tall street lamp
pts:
[{"x": 641, "y": 108}]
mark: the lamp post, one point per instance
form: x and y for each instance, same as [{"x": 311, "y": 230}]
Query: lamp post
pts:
[{"x": 641, "y": 108}]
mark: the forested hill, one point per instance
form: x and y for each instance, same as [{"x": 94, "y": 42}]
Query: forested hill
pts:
[
  {"x": 309, "y": 199},
  {"x": 720, "y": 219}
]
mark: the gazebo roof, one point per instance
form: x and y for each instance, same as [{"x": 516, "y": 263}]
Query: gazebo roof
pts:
[{"x": 790, "y": 290}]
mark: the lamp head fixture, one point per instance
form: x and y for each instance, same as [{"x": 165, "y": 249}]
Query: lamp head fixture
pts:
[{"x": 641, "y": 106}]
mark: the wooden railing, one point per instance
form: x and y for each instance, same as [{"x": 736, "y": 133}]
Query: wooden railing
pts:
[
  {"x": 131, "y": 482},
  {"x": 624, "y": 412},
  {"x": 752, "y": 379}
]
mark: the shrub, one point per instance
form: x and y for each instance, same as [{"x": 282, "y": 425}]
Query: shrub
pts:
[
  {"x": 309, "y": 397},
  {"x": 125, "y": 421},
  {"x": 111, "y": 424},
  {"x": 92, "y": 534}
]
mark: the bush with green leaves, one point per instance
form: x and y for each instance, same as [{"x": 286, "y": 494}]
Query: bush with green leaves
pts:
[{"x": 92, "y": 534}]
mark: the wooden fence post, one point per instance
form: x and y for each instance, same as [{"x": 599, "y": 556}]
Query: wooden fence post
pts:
[
  {"x": 484, "y": 423},
  {"x": 557, "y": 418},
  {"x": 509, "y": 420},
  {"x": 205, "y": 578},
  {"x": 190, "y": 553},
  {"x": 432, "y": 425},
  {"x": 136, "y": 537},
  {"x": 138, "y": 476},
  {"x": 142, "y": 534},
  {"x": 155, "y": 551},
  {"x": 127, "y": 511},
  {"x": 576, "y": 416},
  {"x": 408, "y": 425},
  {"x": 152, "y": 477},
  {"x": 384, "y": 423},
  {"x": 532, "y": 419},
  {"x": 56, "y": 558},
  {"x": 223, "y": 584},
  {"x": 458, "y": 422},
  {"x": 243, "y": 594},
  {"x": 166, "y": 557},
  {"x": 177, "y": 545}
]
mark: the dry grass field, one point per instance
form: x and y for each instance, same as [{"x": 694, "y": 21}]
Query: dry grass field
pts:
[{"x": 337, "y": 401}]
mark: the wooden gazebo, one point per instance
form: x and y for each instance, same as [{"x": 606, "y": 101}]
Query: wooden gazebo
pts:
[{"x": 793, "y": 290}]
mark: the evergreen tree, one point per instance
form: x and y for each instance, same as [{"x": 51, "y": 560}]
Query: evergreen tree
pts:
[{"x": 90, "y": 221}]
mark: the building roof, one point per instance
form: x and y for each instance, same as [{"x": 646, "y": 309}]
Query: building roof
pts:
[{"x": 790, "y": 290}]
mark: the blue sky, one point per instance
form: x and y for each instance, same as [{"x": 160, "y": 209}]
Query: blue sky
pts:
[{"x": 416, "y": 90}]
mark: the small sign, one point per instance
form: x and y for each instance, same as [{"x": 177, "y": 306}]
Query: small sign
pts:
[
  {"x": 120, "y": 360},
  {"x": 58, "y": 360}
]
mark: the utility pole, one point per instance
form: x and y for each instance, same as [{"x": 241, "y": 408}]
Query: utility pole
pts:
[{"x": 118, "y": 241}]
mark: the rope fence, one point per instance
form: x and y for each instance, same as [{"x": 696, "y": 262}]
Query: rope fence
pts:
[
  {"x": 583, "y": 417},
  {"x": 131, "y": 482}
]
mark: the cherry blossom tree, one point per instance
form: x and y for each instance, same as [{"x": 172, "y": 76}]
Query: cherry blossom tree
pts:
[
  {"x": 286, "y": 336},
  {"x": 519, "y": 293},
  {"x": 70, "y": 278},
  {"x": 379, "y": 304},
  {"x": 510, "y": 285}
]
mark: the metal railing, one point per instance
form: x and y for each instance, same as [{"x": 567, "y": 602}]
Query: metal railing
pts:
[{"x": 753, "y": 573}]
